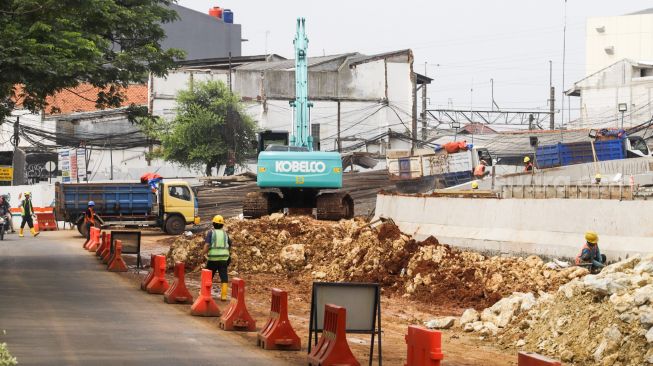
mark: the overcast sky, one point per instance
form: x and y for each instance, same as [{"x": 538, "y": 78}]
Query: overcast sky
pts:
[{"x": 465, "y": 43}]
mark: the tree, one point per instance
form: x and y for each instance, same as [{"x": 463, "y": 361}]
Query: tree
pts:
[
  {"x": 50, "y": 45},
  {"x": 210, "y": 128}
]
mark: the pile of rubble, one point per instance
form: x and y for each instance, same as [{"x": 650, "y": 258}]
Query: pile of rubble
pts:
[
  {"x": 349, "y": 250},
  {"x": 604, "y": 319}
]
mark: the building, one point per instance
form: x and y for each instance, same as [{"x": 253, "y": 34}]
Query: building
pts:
[
  {"x": 611, "y": 39},
  {"x": 358, "y": 99},
  {"x": 201, "y": 35},
  {"x": 625, "y": 85}
]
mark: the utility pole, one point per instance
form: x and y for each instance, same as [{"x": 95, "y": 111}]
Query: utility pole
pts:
[
  {"x": 110, "y": 160},
  {"x": 552, "y": 97},
  {"x": 424, "y": 122},
  {"x": 564, "y": 56},
  {"x": 530, "y": 121},
  {"x": 230, "y": 88},
  {"x": 339, "y": 142},
  {"x": 413, "y": 76}
]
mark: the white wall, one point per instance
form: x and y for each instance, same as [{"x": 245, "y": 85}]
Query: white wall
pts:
[
  {"x": 552, "y": 227},
  {"x": 602, "y": 92},
  {"x": 631, "y": 36}
]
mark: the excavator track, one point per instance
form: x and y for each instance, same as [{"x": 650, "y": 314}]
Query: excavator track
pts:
[
  {"x": 335, "y": 206},
  {"x": 258, "y": 204}
]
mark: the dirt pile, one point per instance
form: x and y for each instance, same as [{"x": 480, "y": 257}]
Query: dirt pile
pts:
[
  {"x": 350, "y": 251},
  {"x": 603, "y": 319}
]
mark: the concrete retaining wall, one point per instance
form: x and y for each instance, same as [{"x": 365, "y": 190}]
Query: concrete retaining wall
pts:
[{"x": 551, "y": 227}]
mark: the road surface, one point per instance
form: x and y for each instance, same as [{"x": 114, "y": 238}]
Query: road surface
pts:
[{"x": 58, "y": 306}]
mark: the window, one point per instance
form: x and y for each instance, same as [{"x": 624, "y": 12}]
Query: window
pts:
[
  {"x": 315, "y": 132},
  {"x": 180, "y": 192}
]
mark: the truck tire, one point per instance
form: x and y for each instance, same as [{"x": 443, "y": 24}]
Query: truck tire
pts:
[{"x": 175, "y": 225}]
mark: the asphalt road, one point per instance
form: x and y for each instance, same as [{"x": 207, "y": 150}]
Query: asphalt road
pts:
[{"x": 58, "y": 306}]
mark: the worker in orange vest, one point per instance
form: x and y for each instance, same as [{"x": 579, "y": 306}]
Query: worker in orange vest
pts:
[
  {"x": 590, "y": 256},
  {"x": 479, "y": 171},
  {"x": 89, "y": 218}
]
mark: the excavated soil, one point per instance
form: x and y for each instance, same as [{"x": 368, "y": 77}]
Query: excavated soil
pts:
[{"x": 427, "y": 271}]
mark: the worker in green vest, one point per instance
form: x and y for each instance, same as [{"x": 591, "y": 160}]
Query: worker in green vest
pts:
[
  {"x": 216, "y": 245},
  {"x": 27, "y": 212}
]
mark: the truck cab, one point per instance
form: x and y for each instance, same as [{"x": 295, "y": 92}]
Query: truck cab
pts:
[
  {"x": 636, "y": 147},
  {"x": 179, "y": 206}
]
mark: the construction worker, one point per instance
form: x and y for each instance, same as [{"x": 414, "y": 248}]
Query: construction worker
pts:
[
  {"x": 89, "y": 218},
  {"x": 216, "y": 245},
  {"x": 27, "y": 211},
  {"x": 590, "y": 256},
  {"x": 528, "y": 165},
  {"x": 479, "y": 171},
  {"x": 474, "y": 185},
  {"x": 597, "y": 178}
]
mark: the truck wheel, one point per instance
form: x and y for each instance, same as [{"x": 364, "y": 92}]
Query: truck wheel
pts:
[
  {"x": 82, "y": 229},
  {"x": 175, "y": 225}
]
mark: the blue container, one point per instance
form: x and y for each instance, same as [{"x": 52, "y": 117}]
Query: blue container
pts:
[
  {"x": 548, "y": 156},
  {"x": 454, "y": 179},
  {"x": 228, "y": 16},
  {"x": 111, "y": 199}
]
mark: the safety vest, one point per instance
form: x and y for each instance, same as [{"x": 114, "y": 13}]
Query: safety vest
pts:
[
  {"x": 219, "y": 249},
  {"x": 592, "y": 253},
  {"x": 26, "y": 208},
  {"x": 89, "y": 219},
  {"x": 479, "y": 171}
]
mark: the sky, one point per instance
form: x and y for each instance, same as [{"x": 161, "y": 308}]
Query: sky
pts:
[{"x": 462, "y": 44}]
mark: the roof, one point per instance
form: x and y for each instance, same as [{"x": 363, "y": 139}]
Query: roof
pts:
[
  {"x": 82, "y": 99},
  {"x": 223, "y": 62},
  {"x": 477, "y": 128},
  {"x": 334, "y": 63},
  {"x": 641, "y": 12}
]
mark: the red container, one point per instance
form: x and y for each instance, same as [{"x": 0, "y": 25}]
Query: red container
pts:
[{"x": 216, "y": 11}]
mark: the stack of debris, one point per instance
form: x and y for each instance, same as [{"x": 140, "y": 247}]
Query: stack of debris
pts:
[
  {"x": 350, "y": 250},
  {"x": 604, "y": 319}
]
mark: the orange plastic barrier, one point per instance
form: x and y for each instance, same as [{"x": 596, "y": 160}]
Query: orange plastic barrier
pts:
[
  {"x": 178, "y": 292},
  {"x": 103, "y": 243},
  {"x": 90, "y": 240},
  {"x": 46, "y": 221},
  {"x": 159, "y": 284},
  {"x": 533, "y": 359},
  {"x": 332, "y": 348},
  {"x": 205, "y": 305},
  {"x": 95, "y": 240},
  {"x": 424, "y": 347},
  {"x": 278, "y": 332},
  {"x": 236, "y": 317},
  {"x": 117, "y": 264},
  {"x": 150, "y": 274},
  {"x": 105, "y": 255}
]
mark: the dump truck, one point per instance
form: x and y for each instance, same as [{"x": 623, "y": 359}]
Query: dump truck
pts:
[
  {"x": 170, "y": 206},
  {"x": 425, "y": 169},
  {"x": 570, "y": 153}
]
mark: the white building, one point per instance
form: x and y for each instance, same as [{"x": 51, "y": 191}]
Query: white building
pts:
[
  {"x": 611, "y": 39},
  {"x": 627, "y": 83},
  {"x": 369, "y": 95}
]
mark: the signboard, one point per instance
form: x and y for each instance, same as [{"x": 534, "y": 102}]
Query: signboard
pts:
[
  {"x": 6, "y": 174},
  {"x": 131, "y": 243},
  {"x": 64, "y": 162},
  {"x": 363, "y": 304},
  {"x": 50, "y": 166},
  {"x": 73, "y": 165},
  {"x": 81, "y": 164}
]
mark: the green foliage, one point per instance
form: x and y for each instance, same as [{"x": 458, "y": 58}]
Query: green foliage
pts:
[
  {"x": 210, "y": 128},
  {"x": 5, "y": 357},
  {"x": 50, "y": 45}
]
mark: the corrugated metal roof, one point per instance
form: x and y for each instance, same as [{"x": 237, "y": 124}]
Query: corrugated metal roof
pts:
[{"x": 290, "y": 64}]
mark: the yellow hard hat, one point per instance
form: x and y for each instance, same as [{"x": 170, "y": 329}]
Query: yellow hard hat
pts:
[
  {"x": 592, "y": 237},
  {"x": 218, "y": 219},
  {"x": 597, "y": 176},
  {"x": 526, "y": 159},
  {"x": 474, "y": 185}
]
